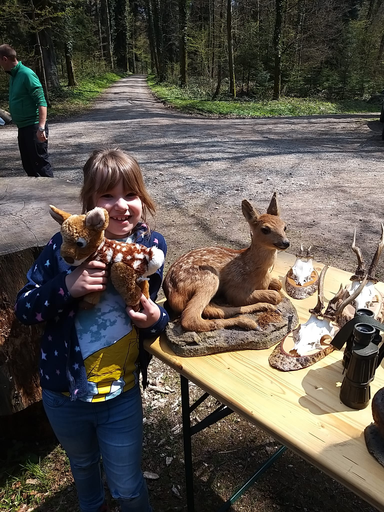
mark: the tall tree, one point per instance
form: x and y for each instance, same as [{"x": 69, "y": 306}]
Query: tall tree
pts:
[
  {"x": 231, "y": 65},
  {"x": 121, "y": 34},
  {"x": 277, "y": 49},
  {"x": 183, "y": 14}
]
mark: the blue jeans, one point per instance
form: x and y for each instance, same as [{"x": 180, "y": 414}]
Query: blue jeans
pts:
[{"x": 112, "y": 430}]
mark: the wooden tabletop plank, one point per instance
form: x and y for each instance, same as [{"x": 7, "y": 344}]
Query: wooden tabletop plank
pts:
[{"x": 302, "y": 408}]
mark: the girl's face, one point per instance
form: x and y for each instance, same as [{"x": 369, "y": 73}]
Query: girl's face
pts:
[{"x": 124, "y": 208}]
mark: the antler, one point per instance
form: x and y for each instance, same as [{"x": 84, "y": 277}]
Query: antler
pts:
[
  {"x": 300, "y": 254},
  {"x": 360, "y": 270},
  {"x": 320, "y": 297},
  {"x": 333, "y": 311},
  {"x": 304, "y": 253},
  {"x": 375, "y": 261}
]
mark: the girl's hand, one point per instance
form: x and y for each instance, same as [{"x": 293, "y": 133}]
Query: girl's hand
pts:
[
  {"x": 90, "y": 276},
  {"x": 147, "y": 317}
]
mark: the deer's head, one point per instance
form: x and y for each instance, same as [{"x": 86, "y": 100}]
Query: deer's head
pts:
[
  {"x": 268, "y": 229},
  {"x": 82, "y": 234}
]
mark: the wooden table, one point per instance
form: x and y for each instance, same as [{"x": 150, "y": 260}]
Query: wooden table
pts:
[{"x": 301, "y": 409}]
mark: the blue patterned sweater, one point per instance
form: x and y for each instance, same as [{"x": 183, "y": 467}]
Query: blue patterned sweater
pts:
[{"x": 45, "y": 298}]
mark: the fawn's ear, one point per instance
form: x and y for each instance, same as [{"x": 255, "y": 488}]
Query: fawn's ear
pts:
[
  {"x": 59, "y": 215},
  {"x": 273, "y": 208},
  {"x": 250, "y": 213},
  {"x": 97, "y": 219}
]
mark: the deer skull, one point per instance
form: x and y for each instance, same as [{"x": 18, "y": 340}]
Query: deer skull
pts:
[
  {"x": 320, "y": 328},
  {"x": 303, "y": 267}
]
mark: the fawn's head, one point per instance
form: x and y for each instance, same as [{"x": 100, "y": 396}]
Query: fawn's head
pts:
[
  {"x": 268, "y": 229},
  {"x": 82, "y": 234}
]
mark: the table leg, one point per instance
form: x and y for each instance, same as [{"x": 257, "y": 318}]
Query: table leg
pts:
[
  {"x": 187, "y": 436},
  {"x": 227, "y": 505}
]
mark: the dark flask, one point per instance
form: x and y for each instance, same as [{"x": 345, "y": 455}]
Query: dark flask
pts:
[{"x": 355, "y": 390}]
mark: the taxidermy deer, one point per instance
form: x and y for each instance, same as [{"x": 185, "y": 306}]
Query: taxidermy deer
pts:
[{"x": 238, "y": 278}]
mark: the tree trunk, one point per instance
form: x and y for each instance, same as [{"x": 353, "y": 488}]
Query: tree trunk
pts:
[
  {"x": 121, "y": 34},
  {"x": 159, "y": 39},
  {"x": 49, "y": 58},
  {"x": 277, "y": 49},
  {"x": 20, "y": 243},
  {"x": 69, "y": 66},
  {"x": 183, "y": 12},
  {"x": 107, "y": 27},
  {"x": 99, "y": 29},
  {"x": 231, "y": 66},
  {"x": 19, "y": 344},
  {"x": 381, "y": 49},
  {"x": 152, "y": 39}
]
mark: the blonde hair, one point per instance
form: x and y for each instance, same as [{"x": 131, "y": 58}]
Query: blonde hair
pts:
[{"x": 104, "y": 169}]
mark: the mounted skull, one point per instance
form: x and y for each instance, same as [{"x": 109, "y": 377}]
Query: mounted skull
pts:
[
  {"x": 303, "y": 267},
  {"x": 301, "y": 280},
  {"x": 321, "y": 327},
  {"x": 370, "y": 296}
]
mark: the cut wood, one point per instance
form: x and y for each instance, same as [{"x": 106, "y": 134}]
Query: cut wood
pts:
[
  {"x": 297, "y": 291},
  {"x": 25, "y": 226},
  {"x": 285, "y": 358}
]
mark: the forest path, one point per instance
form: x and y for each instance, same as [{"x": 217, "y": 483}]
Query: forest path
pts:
[{"x": 328, "y": 170}]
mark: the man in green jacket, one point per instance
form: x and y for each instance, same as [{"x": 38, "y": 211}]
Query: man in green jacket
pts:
[{"x": 28, "y": 109}]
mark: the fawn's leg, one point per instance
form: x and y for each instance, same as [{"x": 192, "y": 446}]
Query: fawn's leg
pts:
[
  {"x": 217, "y": 311},
  {"x": 191, "y": 317},
  {"x": 275, "y": 284},
  {"x": 124, "y": 280}
]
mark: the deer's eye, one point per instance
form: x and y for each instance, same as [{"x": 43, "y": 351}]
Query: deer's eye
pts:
[
  {"x": 266, "y": 230},
  {"x": 285, "y": 228},
  {"x": 81, "y": 242}
]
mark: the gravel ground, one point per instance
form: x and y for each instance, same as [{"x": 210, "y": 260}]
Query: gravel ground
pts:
[{"x": 328, "y": 172}]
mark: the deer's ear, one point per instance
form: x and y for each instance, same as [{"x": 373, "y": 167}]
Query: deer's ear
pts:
[
  {"x": 97, "y": 219},
  {"x": 273, "y": 208},
  {"x": 250, "y": 213},
  {"x": 59, "y": 215}
]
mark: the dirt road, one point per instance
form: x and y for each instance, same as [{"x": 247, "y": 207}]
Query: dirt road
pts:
[{"x": 327, "y": 170}]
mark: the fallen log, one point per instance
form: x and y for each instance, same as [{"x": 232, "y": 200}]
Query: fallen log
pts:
[{"x": 25, "y": 227}]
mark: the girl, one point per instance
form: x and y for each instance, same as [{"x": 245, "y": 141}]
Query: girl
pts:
[{"x": 90, "y": 359}]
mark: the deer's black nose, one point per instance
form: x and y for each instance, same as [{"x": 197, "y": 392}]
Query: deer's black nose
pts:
[{"x": 284, "y": 244}]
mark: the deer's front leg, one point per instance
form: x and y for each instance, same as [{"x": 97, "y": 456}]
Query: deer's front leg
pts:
[
  {"x": 275, "y": 284},
  {"x": 124, "y": 279},
  {"x": 270, "y": 296}
]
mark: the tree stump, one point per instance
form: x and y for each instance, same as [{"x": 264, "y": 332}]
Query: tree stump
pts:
[{"x": 25, "y": 227}]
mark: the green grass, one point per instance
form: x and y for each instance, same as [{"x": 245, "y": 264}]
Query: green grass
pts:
[{"x": 183, "y": 100}]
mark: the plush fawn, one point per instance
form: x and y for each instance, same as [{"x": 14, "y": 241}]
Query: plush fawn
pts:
[
  {"x": 239, "y": 278},
  {"x": 129, "y": 263}
]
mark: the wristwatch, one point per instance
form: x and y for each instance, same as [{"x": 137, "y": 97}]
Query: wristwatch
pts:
[{"x": 41, "y": 129}]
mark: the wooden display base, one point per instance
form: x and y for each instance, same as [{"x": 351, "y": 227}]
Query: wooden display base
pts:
[
  {"x": 187, "y": 344},
  {"x": 283, "y": 360},
  {"x": 304, "y": 291}
]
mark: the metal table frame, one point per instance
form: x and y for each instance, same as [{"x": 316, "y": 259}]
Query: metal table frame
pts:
[{"x": 188, "y": 431}]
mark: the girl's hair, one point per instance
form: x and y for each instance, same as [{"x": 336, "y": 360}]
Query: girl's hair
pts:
[{"x": 103, "y": 171}]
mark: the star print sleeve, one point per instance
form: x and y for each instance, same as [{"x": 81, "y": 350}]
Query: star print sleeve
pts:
[{"x": 45, "y": 294}]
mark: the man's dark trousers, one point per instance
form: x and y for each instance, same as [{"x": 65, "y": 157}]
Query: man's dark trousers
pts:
[{"x": 34, "y": 154}]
